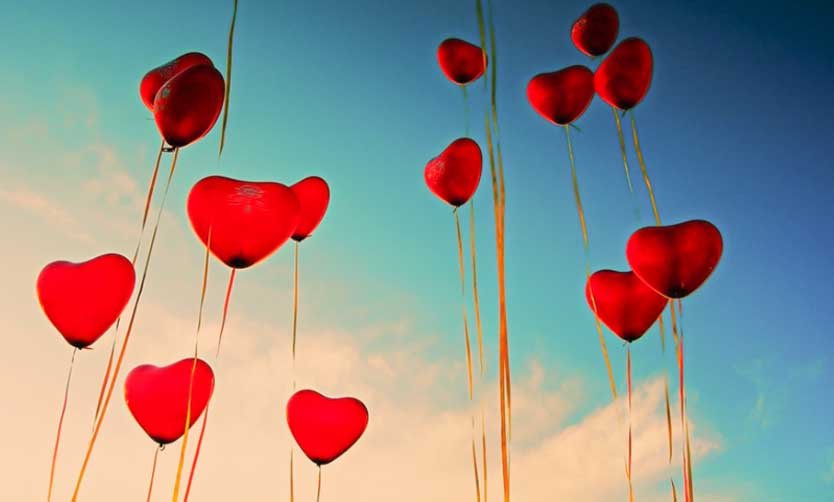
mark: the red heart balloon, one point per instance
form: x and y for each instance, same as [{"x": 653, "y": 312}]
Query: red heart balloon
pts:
[
  {"x": 461, "y": 61},
  {"x": 155, "y": 78},
  {"x": 455, "y": 173},
  {"x": 325, "y": 428},
  {"x": 596, "y": 30},
  {"x": 624, "y": 303},
  {"x": 82, "y": 300},
  {"x": 186, "y": 107},
  {"x": 624, "y": 77},
  {"x": 313, "y": 195},
  {"x": 562, "y": 96},
  {"x": 249, "y": 220},
  {"x": 157, "y": 397},
  {"x": 675, "y": 260}
]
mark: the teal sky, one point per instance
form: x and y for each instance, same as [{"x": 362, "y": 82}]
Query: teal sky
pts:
[{"x": 736, "y": 129}]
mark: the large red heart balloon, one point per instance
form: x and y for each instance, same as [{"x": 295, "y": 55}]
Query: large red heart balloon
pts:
[
  {"x": 323, "y": 427},
  {"x": 186, "y": 107},
  {"x": 596, "y": 30},
  {"x": 248, "y": 220},
  {"x": 82, "y": 300},
  {"x": 675, "y": 260},
  {"x": 623, "y": 302},
  {"x": 454, "y": 175},
  {"x": 313, "y": 196},
  {"x": 562, "y": 96},
  {"x": 461, "y": 61},
  {"x": 158, "y": 397},
  {"x": 624, "y": 77},
  {"x": 157, "y": 77}
]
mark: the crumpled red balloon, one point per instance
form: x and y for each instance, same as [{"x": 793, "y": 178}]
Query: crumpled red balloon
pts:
[
  {"x": 454, "y": 175},
  {"x": 562, "y": 96},
  {"x": 461, "y": 61},
  {"x": 595, "y": 32},
  {"x": 82, "y": 300},
  {"x": 324, "y": 427},
  {"x": 623, "y": 302},
  {"x": 157, "y": 77},
  {"x": 249, "y": 220},
  {"x": 157, "y": 397},
  {"x": 675, "y": 260},
  {"x": 313, "y": 196},
  {"x": 186, "y": 107},
  {"x": 624, "y": 77}
]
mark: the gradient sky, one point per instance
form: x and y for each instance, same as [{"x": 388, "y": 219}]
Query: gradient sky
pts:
[{"x": 736, "y": 129}]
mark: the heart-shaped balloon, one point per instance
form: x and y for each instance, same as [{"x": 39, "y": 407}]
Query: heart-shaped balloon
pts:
[
  {"x": 323, "y": 427},
  {"x": 454, "y": 175},
  {"x": 82, "y": 300},
  {"x": 562, "y": 96},
  {"x": 157, "y": 77},
  {"x": 675, "y": 260},
  {"x": 461, "y": 61},
  {"x": 157, "y": 397},
  {"x": 313, "y": 196},
  {"x": 186, "y": 107},
  {"x": 624, "y": 77},
  {"x": 596, "y": 30},
  {"x": 248, "y": 220},
  {"x": 623, "y": 302}
]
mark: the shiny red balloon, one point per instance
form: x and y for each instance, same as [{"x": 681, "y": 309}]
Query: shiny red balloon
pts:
[
  {"x": 157, "y": 397},
  {"x": 186, "y": 107},
  {"x": 623, "y": 303},
  {"x": 461, "y": 61},
  {"x": 595, "y": 32},
  {"x": 323, "y": 427},
  {"x": 157, "y": 77},
  {"x": 82, "y": 300},
  {"x": 624, "y": 77},
  {"x": 562, "y": 96},
  {"x": 675, "y": 260},
  {"x": 248, "y": 220},
  {"x": 454, "y": 175},
  {"x": 313, "y": 196}
]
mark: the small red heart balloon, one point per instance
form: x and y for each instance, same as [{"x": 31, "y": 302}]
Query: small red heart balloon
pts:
[
  {"x": 596, "y": 30},
  {"x": 624, "y": 303},
  {"x": 82, "y": 300},
  {"x": 323, "y": 427},
  {"x": 313, "y": 196},
  {"x": 248, "y": 220},
  {"x": 155, "y": 78},
  {"x": 186, "y": 107},
  {"x": 157, "y": 397},
  {"x": 562, "y": 96},
  {"x": 675, "y": 260},
  {"x": 461, "y": 61},
  {"x": 454, "y": 175},
  {"x": 624, "y": 77}
]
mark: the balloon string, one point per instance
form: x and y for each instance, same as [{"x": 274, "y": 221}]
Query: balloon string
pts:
[
  {"x": 465, "y": 110},
  {"x": 463, "y": 305},
  {"x": 225, "y": 310},
  {"x": 621, "y": 138},
  {"x": 628, "y": 383},
  {"x": 60, "y": 426},
  {"x": 662, "y": 332},
  {"x": 475, "y": 295},
  {"x": 318, "y": 487},
  {"x": 184, "y": 444},
  {"x": 611, "y": 382},
  {"x": 687, "y": 488},
  {"x": 153, "y": 471},
  {"x": 120, "y": 359},
  {"x": 643, "y": 169},
  {"x": 674, "y": 491},
  {"x": 228, "y": 80},
  {"x": 686, "y": 431},
  {"x": 475, "y": 465},
  {"x": 576, "y": 195},
  {"x": 292, "y": 483},
  {"x": 484, "y": 451},
  {"x": 196, "y": 454},
  {"x": 294, "y": 309}
]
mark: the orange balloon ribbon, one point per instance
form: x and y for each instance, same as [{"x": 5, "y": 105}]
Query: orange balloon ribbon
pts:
[
  {"x": 60, "y": 426},
  {"x": 156, "y": 451},
  {"x": 228, "y": 80}
]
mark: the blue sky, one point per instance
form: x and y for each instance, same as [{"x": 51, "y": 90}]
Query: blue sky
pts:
[{"x": 736, "y": 129}]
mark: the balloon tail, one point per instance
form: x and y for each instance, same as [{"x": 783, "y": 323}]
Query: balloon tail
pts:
[
  {"x": 318, "y": 487},
  {"x": 120, "y": 359},
  {"x": 148, "y": 200},
  {"x": 107, "y": 371},
  {"x": 576, "y": 196},
  {"x": 611, "y": 382},
  {"x": 463, "y": 304},
  {"x": 60, "y": 426},
  {"x": 628, "y": 384},
  {"x": 484, "y": 452},
  {"x": 292, "y": 482},
  {"x": 687, "y": 488},
  {"x": 475, "y": 295},
  {"x": 225, "y": 310},
  {"x": 643, "y": 169},
  {"x": 475, "y": 465},
  {"x": 184, "y": 444},
  {"x": 674, "y": 491},
  {"x": 621, "y": 138},
  {"x": 294, "y": 309},
  {"x": 228, "y": 80},
  {"x": 686, "y": 430},
  {"x": 153, "y": 471},
  {"x": 196, "y": 455}
]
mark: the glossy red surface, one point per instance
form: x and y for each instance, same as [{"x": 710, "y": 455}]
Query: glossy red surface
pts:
[
  {"x": 186, "y": 107},
  {"x": 624, "y": 303},
  {"x": 562, "y": 96},
  {"x": 461, "y": 61},
  {"x": 624, "y": 77},
  {"x": 313, "y": 196},
  {"x": 157, "y": 77},
  {"x": 595, "y": 32},
  {"x": 454, "y": 175},
  {"x": 324, "y": 427}
]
